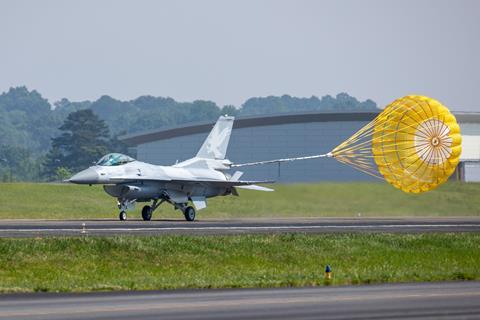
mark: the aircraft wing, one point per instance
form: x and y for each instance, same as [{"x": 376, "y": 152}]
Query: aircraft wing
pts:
[
  {"x": 219, "y": 183},
  {"x": 250, "y": 185},
  {"x": 224, "y": 183},
  {"x": 121, "y": 179}
]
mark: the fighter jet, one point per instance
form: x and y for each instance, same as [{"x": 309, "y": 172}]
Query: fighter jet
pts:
[{"x": 191, "y": 181}]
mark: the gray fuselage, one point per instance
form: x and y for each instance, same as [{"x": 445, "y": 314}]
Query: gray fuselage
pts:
[{"x": 143, "y": 181}]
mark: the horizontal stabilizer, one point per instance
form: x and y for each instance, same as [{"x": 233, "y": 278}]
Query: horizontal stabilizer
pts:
[{"x": 255, "y": 187}]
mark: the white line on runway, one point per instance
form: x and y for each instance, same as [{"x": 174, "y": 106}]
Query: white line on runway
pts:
[{"x": 379, "y": 226}]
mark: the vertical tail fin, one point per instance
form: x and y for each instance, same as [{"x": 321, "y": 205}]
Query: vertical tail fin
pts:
[{"x": 215, "y": 146}]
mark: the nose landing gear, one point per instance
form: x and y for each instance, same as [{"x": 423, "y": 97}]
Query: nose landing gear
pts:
[
  {"x": 122, "y": 216},
  {"x": 124, "y": 205}
]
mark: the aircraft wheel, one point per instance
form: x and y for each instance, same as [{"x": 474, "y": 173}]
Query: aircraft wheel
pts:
[
  {"x": 147, "y": 213},
  {"x": 189, "y": 213},
  {"x": 122, "y": 216}
]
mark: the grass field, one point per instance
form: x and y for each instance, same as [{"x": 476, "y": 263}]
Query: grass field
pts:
[
  {"x": 35, "y": 200},
  {"x": 124, "y": 263}
]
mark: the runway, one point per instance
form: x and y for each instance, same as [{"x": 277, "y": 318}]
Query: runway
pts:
[
  {"x": 448, "y": 300},
  {"x": 36, "y": 228}
]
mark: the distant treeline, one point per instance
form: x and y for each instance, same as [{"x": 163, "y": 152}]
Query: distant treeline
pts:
[{"x": 28, "y": 122}]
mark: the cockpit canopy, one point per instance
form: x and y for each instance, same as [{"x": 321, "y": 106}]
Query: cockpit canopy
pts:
[{"x": 114, "y": 159}]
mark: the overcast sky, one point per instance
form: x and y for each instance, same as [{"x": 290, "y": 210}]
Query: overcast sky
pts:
[{"x": 228, "y": 51}]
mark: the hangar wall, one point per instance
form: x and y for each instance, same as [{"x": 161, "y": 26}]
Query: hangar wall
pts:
[
  {"x": 256, "y": 139},
  {"x": 265, "y": 143}
]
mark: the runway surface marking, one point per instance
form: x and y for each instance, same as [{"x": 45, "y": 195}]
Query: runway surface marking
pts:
[
  {"x": 34, "y": 228},
  {"x": 385, "y": 226},
  {"x": 216, "y": 304}
]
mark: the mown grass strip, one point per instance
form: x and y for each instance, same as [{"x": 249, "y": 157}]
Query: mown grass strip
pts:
[
  {"x": 167, "y": 262},
  {"x": 66, "y": 201}
]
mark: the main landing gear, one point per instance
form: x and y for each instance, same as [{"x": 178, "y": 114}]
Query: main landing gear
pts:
[
  {"x": 189, "y": 212},
  {"x": 147, "y": 211}
]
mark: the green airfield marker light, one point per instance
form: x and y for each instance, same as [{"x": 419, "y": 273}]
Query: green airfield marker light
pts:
[{"x": 328, "y": 272}]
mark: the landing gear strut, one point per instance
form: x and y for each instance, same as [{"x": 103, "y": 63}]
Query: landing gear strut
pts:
[
  {"x": 188, "y": 211},
  {"x": 124, "y": 205}
]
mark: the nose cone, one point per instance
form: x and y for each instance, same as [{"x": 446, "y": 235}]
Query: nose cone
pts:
[{"x": 87, "y": 176}]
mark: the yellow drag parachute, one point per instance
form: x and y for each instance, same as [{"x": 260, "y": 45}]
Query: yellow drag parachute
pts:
[{"x": 414, "y": 144}]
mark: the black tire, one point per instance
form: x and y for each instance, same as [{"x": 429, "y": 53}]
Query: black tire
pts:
[
  {"x": 147, "y": 213},
  {"x": 122, "y": 216},
  {"x": 189, "y": 213}
]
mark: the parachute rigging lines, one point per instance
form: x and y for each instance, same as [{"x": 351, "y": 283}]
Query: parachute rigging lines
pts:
[{"x": 414, "y": 144}]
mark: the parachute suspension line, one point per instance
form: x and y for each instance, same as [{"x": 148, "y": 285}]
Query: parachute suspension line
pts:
[
  {"x": 364, "y": 144},
  {"x": 280, "y": 160},
  {"x": 368, "y": 171},
  {"x": 414, "y": 144},
  {"x": 356, "y": 150},
  {"x": 353, "y": 145}
]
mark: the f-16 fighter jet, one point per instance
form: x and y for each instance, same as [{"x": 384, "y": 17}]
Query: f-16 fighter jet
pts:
[{"x": 190, "y": 181}]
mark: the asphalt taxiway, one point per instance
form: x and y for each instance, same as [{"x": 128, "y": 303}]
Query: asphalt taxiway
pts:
[
  {"x": 35, "y": 228},
  {"x": 444, "y": 300}
]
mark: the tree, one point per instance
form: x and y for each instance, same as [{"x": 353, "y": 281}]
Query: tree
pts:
[
  {"x": 17, "y": 164},
  {"x": 229, "y": 110},
  {"x": 343, "y": 102},
  {"x": 62, "y": 173},
  {"x": 26, "y": 120},
  {"x": 84, "y": 139}
]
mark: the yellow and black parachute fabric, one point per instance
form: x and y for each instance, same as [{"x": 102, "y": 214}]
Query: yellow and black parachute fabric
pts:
[{"x": 414, "y": 144}]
